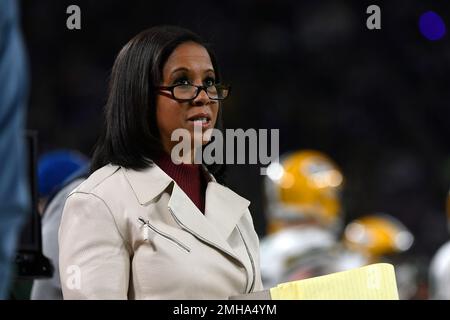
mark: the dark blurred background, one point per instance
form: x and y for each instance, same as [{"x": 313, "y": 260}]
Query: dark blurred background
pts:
[{"x": 376, "y": 101}]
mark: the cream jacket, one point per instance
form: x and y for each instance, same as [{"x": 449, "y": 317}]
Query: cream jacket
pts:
[{"x": 129, "y": 234}]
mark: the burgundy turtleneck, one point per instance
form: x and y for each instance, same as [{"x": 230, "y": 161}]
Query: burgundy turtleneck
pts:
[{"x": 189, "y": 177}]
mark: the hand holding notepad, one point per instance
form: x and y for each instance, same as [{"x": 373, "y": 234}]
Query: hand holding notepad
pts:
[{"x": 372, "y": 282}]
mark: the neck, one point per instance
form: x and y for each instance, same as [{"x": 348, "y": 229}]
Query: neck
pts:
[{"x": 188, "y": 157}]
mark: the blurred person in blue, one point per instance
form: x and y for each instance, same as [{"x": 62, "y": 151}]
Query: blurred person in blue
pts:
[
  {"x": 59, "y": 172},
  {"x": 14, "y": 192},
  {"x": 54, "y": 168},
  {"x": 440, "y": 268}
]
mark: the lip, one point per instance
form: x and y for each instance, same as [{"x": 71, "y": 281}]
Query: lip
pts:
[
  {"x": 197, "y": 115},
  {"x": 200, "y": 115}
]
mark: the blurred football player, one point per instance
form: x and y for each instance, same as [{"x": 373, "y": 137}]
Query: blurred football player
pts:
[
  {"x": 440, "y": 268},
  {"x": 382, "y": 238},
  {"x": 303, "y": 213},
  {"x": 59, "y": 172}
]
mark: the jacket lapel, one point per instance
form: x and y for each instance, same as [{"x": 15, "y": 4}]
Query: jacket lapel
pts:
[
  {"x": 211, "y": 227},
  {"x": 223, "y": 207}
]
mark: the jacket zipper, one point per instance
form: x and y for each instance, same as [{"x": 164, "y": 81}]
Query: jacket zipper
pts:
[
  {"x": 205, "y": 240},
  {"x": 251, "y": 261},
  {"x": 194, "y": 233},
  {"x": 163, "y": 234}
]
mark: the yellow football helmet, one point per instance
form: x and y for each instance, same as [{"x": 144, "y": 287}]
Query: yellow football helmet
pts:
[
  {"x": 304, "y": 185},
  {"x": 377, "y": 235}
]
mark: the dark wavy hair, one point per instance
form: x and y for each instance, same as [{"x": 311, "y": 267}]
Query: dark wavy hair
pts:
[{"x": 130, "y": 136}]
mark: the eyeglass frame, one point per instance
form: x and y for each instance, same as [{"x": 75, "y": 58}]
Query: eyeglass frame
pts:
[{"x": 199, "y": 89}]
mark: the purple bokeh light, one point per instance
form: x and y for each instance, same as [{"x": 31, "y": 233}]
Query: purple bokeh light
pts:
[{"x": 432, "y": 26}]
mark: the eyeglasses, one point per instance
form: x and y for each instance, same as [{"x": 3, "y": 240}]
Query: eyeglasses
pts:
[{"x": 187, "y": 92}]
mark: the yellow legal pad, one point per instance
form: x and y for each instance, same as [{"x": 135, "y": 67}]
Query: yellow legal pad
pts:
[{"x": 372, "y": 282}]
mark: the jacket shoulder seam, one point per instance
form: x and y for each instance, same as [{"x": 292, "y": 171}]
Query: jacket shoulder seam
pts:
[
  {"x": 92, "y": 188},
  {"x": 109, "y": 211}
]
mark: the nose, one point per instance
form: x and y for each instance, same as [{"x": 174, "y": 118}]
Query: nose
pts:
[{"x": 201, "y": 99}]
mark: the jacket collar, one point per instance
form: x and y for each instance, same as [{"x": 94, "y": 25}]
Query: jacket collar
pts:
[
  {"x": 148, "y": 183},
  {"x": 223, "y": 207}
]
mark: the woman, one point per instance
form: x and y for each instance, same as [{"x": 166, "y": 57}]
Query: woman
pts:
[{"x": 142, "y": 227}]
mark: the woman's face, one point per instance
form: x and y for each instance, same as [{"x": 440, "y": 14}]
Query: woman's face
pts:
[{"x": 189, "y": 63}]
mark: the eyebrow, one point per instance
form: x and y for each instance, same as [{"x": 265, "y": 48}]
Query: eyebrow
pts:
[{"x": 187, "y": 70}]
